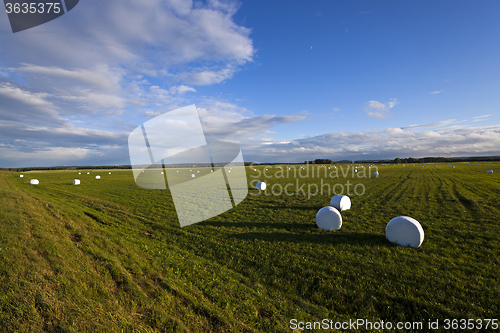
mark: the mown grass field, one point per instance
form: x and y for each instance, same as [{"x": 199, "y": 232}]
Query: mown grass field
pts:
[{"x": 108, "y": 256}]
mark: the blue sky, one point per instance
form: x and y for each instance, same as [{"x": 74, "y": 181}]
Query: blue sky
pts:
[{"x": 286, "y": 80}]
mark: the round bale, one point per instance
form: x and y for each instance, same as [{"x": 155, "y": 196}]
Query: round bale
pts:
[
  {"x": 21, "y": 176},
  {"x": 261, "y": 186},
  {"x": 405, "y": 231},
  {"x": 489, "y": 171},
  {"x": 97, "y": 177},
  {"x": 76, "y": 181},
  {"x": 375, "y": 173},
  {"x": 34, "y": 182},
  {"x": 328, "y": 218},
  {"x": 341, "y": 202}
]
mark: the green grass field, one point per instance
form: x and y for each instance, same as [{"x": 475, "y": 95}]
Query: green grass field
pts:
[{"x": 108, "y": 256}]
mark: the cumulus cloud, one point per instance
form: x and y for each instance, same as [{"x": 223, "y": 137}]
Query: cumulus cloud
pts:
[
  {"x": 379, "y": 110},
  {"x": 181, "y": 89},
  {"x": 336, "y": 109},
  {"x": 206, "y": 77}
]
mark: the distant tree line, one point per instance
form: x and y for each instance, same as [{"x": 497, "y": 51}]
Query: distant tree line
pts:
[
  {"x": 68, "y": 168},
  {"x": 445, "y": 159},
  {"x": 316, "y": 161}
]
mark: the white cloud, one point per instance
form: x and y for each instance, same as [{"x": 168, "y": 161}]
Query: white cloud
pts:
[
  {"x": 436, "y": 92},
  {"x": 394, "y": 131},
  {"x": 436, "y": 124},
  {"x": 379, "y": 110},
  {"x": 481, "y": 118},
  {"x": 336, "y": 109},
  {"x": 181, "y": 89},
  {"x": 209, "y": 77},
  {"x": 101, "y": 76},
  {"x": 226, "y": 121},
  {"x": 384, "y": 144},
  {"x": 35, "y": 100}
]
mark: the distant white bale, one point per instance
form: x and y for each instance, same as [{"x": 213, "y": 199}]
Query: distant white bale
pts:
[
  {"x": 256, "y": 169},
  {"x": 192, "y": 175},
  {"x": 97, "y": 177},
  {"x": 79, "y": 173},
  {"x": 405, "y": 231},
  {"x": 489, "y": 171},
  {"x": 109, "y": 173},
  {"x": 88, "y": 173},
  {"x": 375, "y": 173},
  {"x": 453, "y": 167},
  {"x": 261, "y": 186},
  {"x": 211, "y": 170},
  {"x": 21, "y": 176},
  {"x": 198, "y": 171},
  {"x": 341, "y": 202},
  {"x": 76, "y": 181},
  {"x": 355, "y": 170},
  {"x": 228, "y": 170},
  {"x": 177, "y": 170},
  {"x": 161, "y": 173},
  {"x": 328, "y": 218},
  {"x": 34, "y": 182},
  {"x": 190, "y": 170}
]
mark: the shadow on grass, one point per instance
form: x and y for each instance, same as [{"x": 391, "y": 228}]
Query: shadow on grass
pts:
[
  {"x": 333, "y": 238},
  {"x": 294, "y": 207}
]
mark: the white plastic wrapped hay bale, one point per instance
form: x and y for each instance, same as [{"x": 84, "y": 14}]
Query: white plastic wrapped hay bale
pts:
[
  {"x": 76, "y": 181},
  {"x": 79, "y": 173},
  {"x": 97, "y": 177},
  {"x": 88, "y": 173},
  {"x": 34, "y": 182},
  {"x": 192, "y": 175},
  {"x": 375, "y": 173},
  {"x": 489, "y": 171},
  {"x": 261, "y": 186},
  {"x": 453, "y": 167},
  {"x": 341, "y": 202},
  {"x": 405, "y": 231},
  {"x": 328, "y": 218},
  {"x": 21, "y": 176},
  {"x": 109, "y": 173}
]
